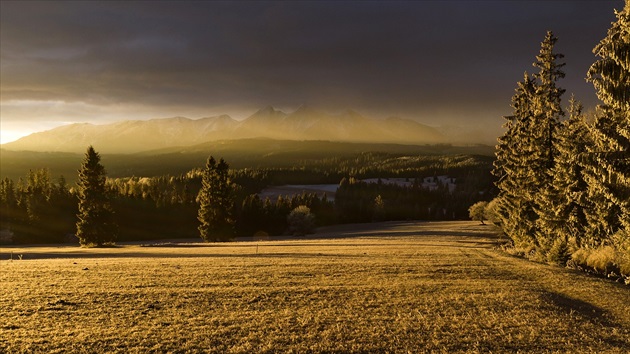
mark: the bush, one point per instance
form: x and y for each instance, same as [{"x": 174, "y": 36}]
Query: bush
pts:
[
  {"x": 301, "y": 221},
  {"x": 621, "y": 242},
  {"x": 559, "y": 252},
  {"x": 6, "y": 237},
  {"x": 605, "y": 260},
  {"x": 492, "y": 212},
  {"x": 477, "y": 211},
  {"x": 602, "y": 259}
]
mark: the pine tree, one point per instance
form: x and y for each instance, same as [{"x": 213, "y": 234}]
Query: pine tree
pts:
[
  {"x": 63, "y": 211},
  {"x": 8, "y": 204},
  {"x": 511, "y": 166},
  {"x": 96, "y": 225},
  {"x": 563, "y": 201},
  {"x": 38, "y": 192},
  {"x": 378, "y": 213},
  {"x": 607, "y": 163},
  {"x": 543, "y": 145},
  {"x": 549, "y": 95},
  {"x": 216, "y": 202},
  {"x": 526, "y": 153}
]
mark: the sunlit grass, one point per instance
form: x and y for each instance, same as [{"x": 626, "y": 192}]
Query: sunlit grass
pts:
[{"x": 394, "y": 288}]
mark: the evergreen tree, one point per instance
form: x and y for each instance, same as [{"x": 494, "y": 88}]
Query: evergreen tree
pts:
[
  {"x": 607, "y": 163},
  {"x": 549, "y": 110},
  {"x": 511, "y": 166},
  {"x": 96, "y": 225},
  {"x": 8, "y": 204},
  {"x": 252, "y": 217},
  {"x": 38, "y": 192},
  {"x": 216, "y": 202},
  {"x": 378, "y": 209},
  {"x": 526, "y": 153},
  {"x": 63, "y": 211},
  {"x": 543, "y": 146},
  {"x": 563, "y": 202}
]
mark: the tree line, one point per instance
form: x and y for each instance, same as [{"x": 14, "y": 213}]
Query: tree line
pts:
[
  {"x": 39, "y": 210},
  {"x": 564, "y": 177}
]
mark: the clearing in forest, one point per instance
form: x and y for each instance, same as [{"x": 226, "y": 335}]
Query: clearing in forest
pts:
[{"x": 386, "y": 287}]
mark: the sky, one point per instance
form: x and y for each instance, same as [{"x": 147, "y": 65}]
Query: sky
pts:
[{"x": 441, "y": 63}]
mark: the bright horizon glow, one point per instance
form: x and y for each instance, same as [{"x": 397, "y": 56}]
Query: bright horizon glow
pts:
[
  {"x": 20, "y": 118},
  {"x": 136, "y": 61},
  {"x": 7, "y": 136},
  {"x": 12, "y": 131}
]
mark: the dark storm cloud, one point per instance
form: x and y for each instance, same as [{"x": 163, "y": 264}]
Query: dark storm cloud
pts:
[{"x": 422, "y": 60}]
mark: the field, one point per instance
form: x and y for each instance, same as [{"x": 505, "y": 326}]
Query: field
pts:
[{"x": 388, "y": 287}]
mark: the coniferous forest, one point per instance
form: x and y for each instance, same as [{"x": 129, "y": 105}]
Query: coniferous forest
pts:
[
  {"x": 564, "y": 176},
  {"x": 39, "y": 209}
]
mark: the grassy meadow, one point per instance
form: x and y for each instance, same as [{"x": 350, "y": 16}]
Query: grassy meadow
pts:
[{"x": 375, "y": 288}]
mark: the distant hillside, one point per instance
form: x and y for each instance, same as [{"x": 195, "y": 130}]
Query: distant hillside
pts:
[
  {"x": 303, "y": 124},
  {"x": 243, "y": 153}
]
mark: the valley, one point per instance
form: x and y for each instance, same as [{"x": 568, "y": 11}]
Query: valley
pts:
[{"x": 244, "y": 153}]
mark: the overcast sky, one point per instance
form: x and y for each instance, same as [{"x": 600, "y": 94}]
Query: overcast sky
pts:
[{"x": 437, "y": 62}]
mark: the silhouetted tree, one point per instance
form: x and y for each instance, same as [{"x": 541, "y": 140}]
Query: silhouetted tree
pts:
[
  {"x": 9, "y": 212},
  {"x": 96, "y": 225},
  {"x": 378, "y": 213},
  {"x": 216, "y": 202},
  {"x": 301, "y": 221}
]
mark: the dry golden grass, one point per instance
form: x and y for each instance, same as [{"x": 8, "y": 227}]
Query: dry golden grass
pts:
[{"x": 391, "y": 287}]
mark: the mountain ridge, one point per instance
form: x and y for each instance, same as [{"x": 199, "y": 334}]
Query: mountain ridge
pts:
[{"x": 305, "y": 123}]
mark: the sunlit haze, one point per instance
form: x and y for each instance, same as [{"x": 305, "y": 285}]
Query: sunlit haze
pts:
[{"x": 452, "y": 63}]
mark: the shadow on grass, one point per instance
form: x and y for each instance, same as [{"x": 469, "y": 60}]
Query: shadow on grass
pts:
[
  {"x": 586, "y": 312},
  {"x": 576, "y": 307},
  {"x": 95, "y": 256}
]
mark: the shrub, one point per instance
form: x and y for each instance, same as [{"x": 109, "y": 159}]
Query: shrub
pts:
[
  {"x": 605, "y": 260},
  {"x": 492, "y": 212},
  {"x": 477, "y": 211},
  {"x": 6, "y": 237},
  {"x": 602, "y": 259},
  {"x": 579, "y": 257},
  {"x": 301, "y": 221},
  {"x": 621, "y": 242},
  {"x": 559, "y": 252}
]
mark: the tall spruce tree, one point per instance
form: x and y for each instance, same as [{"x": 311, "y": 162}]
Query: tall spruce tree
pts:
[
  {"x": 515, "y": 209},
  {"x": 96, "y": 225},
  {"x": 544, "y": 130},
  {"x": 216, "y": 202},
  {"x": 9, "y": 211},
  {"x": 549, "y": 97},
  {"x": 564, "y": 219},
  {"x": 526, "y": 153},
  {"x": 607, "y": 163}
]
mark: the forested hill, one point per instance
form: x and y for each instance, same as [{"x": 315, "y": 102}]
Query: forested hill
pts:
[{"x": 245, "y": 153}]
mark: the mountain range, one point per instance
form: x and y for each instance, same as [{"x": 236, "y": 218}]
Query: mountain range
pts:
[{"x": 305, "y": 123}]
